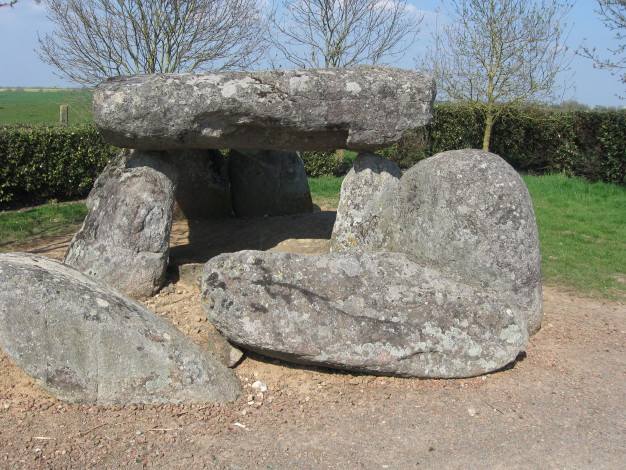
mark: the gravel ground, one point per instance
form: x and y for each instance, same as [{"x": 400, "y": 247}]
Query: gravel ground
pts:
[{"x": 561, "y": 405}]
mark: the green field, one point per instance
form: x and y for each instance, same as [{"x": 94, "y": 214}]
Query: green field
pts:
[{"x": 41, "y": 106}]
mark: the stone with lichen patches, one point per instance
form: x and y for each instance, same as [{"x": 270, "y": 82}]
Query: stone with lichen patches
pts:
[
  {"x": 87, "y": 343},
  {"x": 357, "y": 108},
  {"x": 466, "y": 213},
  {"x": 370, "y": 312}
]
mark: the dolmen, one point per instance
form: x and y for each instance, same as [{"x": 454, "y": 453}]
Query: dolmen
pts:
[
  {"x": 173, "y": 126},
  {"x": 433, "y": 272}
]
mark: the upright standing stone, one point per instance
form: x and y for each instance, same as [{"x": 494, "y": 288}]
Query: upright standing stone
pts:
[
  {"x": 357, "y": 108},
  {"x": 268, "y": 182},
  {"x": 200, "y": 177},
  {"x": 359, "y": 212},
  {"x": 124, "y": 240}
]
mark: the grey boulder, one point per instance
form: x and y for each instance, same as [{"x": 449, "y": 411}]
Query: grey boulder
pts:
[
  {"x": 268, "y": 182},
  {"x": 465, "y": 213},
  {"x": 357, "y": 108},
  {"x": 370, "y": 312},
  {"x": 86, "y": 343},
  {"x": 124, "y": 240}
]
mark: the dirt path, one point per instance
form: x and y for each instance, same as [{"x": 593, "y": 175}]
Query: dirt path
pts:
[{"x": 561, "y": 406}]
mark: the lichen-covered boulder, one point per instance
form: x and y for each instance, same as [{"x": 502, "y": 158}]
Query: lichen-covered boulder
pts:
[
  {"x": 87, "y": 343},
  {"x": 124, "y": 240},
  {"x": 467, "y": 214},
  {"x": 370, "y": 312},
  {"x": 268, "y": 182},
  {"x": 357, "y": 108},
  {"x": 370, "y": 178}
]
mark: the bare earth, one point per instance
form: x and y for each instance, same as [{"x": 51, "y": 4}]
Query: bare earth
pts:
[{"x": 560, "y": 406}]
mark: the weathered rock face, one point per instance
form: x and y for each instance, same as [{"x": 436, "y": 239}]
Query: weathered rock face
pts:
[
  {"x": 200, "y": 178},
  {"x": 124, "y": 240},
  {"x": 321, "y": 310},
  {"x": 364, "y": 187},
  {"x": 268, "y": 182},
  {"x": 86, "y": 343},
  {"x": 465, "y": 213},
  {"x": 358, "y": 108}
]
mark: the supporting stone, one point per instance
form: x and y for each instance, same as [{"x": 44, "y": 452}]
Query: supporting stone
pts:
[
  {"x": 124, "y": 240},
  {"x": 200, "y": 177},
  {"x": 268, "y": 183}
]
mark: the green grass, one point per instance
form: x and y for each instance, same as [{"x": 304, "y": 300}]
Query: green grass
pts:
[
  {"x": 582, "y": 229},
  {"x": 582, "y": 232},
  {"x": 41, "y": 221},
  {"x": 42, "y": 107},
  {"x": 325, "y": 190}
]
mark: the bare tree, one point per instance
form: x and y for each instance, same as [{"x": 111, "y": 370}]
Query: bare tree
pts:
[
  {"x": 13, "y": 2},
  {"x": 98, "y": 39},
  {"x": 494, "y": 54},
  {"x": 613, "y": 14},
  {"x": 341, "y": 33}
]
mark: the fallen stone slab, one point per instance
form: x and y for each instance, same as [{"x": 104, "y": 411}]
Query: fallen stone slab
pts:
[
  {"x": 356, "y": 108},
  {"x": 87, "y": 343},
  {"x": 124, "y": 240},
  {"x": 268, "y": 183},
  {"x": 466, "y": 213},
  {"x": 370, "y": 312}
]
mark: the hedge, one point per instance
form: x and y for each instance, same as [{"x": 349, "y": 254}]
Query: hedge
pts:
[
  {"x": 536, "y": 140},
  {"x": 38, "y": 164}
]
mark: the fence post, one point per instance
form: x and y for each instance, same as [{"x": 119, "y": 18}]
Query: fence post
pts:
[{"x": 63, "y": 114}]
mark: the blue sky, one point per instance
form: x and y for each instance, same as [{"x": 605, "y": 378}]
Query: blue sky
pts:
[{"x": 20, "y": 65}]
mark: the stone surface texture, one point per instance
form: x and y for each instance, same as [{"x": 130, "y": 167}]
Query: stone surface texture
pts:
[
  {"x": 268, "y": 182},
  {"x": 465, "y": 213},
  {"x": 370, "y": 312},
  {"x": 358, "y": 214},
  {"x": 124, "y": 240},
  {"x": 87, "y": 343},
  {"x": 356, "y": 108},
  {"x": 200, "y": 178}
]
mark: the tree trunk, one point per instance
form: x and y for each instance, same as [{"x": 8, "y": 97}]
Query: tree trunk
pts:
[{"x": 488, "y": 127}]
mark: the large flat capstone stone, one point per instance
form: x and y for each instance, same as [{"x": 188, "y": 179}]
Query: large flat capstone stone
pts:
[
  {"x": 85, "y": 342},
  {"x": 357, "y": 108}
]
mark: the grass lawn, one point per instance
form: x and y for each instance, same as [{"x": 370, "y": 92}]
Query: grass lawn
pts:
[
  {"x": 41, "y": 221},
  {"x": 42, "y": 107},
  {"x": 325, "y": 190},
  {"x": 582, "y": 229}
]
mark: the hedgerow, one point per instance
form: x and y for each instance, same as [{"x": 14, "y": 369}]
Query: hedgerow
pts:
[
  {"x": 39, "y": 163},
  {"x": 535, "y": 140}
]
